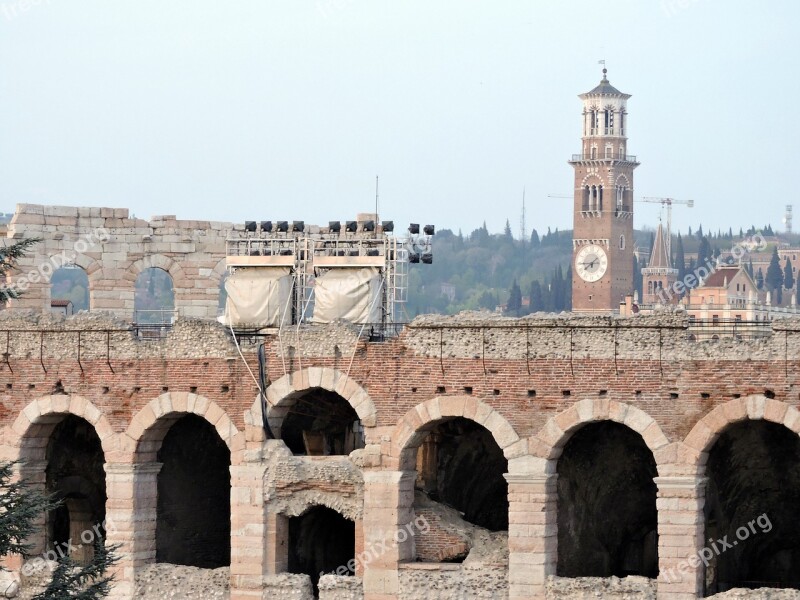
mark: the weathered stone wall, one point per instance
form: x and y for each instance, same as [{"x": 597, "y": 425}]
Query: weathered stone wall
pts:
[
  {"x": 530, "y": 382},
  {"x": 164, "y": 581},
  {"x": 290, "y": 587},
  {"x": 452, "y": 581},
  {"x": 334, "y": 587},
  {"x": 589, "y": 588},
  {"x": 113, "y": 248}
]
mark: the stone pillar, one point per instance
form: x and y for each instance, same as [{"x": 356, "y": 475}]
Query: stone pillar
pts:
[
  {"x": 388, "y": 509},
  {"x": 277, "y": 544},
  {"x": 131, "y": 514},
  {"x": 680, "y": 536},
  {"x": 532, "y": 533},
  {"x": 34, "y": 473},
  {"x": 251, "y": 542}
]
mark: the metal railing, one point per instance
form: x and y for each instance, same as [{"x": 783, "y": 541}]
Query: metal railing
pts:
[
  {"x": 598, "y": 156},
  {"x": 154, "y": 323},
  {"x": 713, "y": 330}
]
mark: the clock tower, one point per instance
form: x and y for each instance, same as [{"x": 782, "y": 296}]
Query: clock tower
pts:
[{"x": 602, "y": 238}]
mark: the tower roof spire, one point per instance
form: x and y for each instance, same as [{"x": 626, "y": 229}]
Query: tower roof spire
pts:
[
  {"x": 659, "y": 258},
  {"x": 605, "y": 88}
]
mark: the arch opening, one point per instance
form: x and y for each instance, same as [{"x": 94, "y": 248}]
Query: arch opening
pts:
[
  {"x": 75, "y": 475},
  {"x": 321, "y": 541},
  {"x": 154, "y": 298},
  {"x": 752, "y": 493},
  {"x": 460, "y": 479},
  {"x": 194, "y": 486},
  {"x": 607, "y": 518},
  {"x": 69, "y": 290},
  {"x": 319, "y": 422}
]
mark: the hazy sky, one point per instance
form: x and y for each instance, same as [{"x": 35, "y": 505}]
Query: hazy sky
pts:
[{"x": 243, "y": 109}]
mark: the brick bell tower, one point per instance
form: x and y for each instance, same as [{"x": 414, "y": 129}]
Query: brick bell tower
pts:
[{"x": 602, "y": 238}]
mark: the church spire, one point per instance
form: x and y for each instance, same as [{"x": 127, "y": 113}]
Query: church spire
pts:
[{"x": 659, "y": 256}]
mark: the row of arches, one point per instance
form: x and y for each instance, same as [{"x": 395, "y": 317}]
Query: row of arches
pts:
[
  {"x": 149, "y": 289},
  {"x": 606, "y": 461},
  {"x": 153, "y": 294},
  {"x": 594, "y": 198}
]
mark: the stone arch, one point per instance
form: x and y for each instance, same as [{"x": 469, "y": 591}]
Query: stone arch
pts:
[
  {"x": 551, "y": 439},
  {"x": 280, "y": 392},
  {"x": 158, "y": 261},
  {"x": 548, "y": 445},
  {"x": 34, "y": 425},
  {"x": 90, "y": 266},
  {"x": 414, "y": 425},
  {"x": 149, "y": 426},
  {"x": 756, "y": 407},
  {"x": 304, "y": 500},
  {"x": 30, "y": 436}
]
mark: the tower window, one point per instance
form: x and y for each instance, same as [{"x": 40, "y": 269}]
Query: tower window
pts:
[{"x": 622, "y": 242}]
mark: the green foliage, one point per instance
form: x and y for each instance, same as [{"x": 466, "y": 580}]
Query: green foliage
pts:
[
  {"x": 514, "y": 305},
  {"x": 20, "y": 508},
  {"x": 680, "y": 258},
  {"x": 9, "y": 256},
  {"x": 482, "y": 268},
  {"x": 774, "y": 279},
  {"x": 788, "y": 276},
  {"x": 71, "y": 284},
  {"x": 91, "y": 582}
]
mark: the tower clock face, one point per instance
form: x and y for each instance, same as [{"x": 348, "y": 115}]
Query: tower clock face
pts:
[{"x": 591, "y": 263}]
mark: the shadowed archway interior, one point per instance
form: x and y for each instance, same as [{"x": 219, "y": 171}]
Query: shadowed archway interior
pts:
[
  {"x": 752, "y": 496},
  {"x": 320, "y": 541},
  {"x": 75, "y": 475},
  {"x": 607, "y": 519},
  {"x": 194, "y": 488}
]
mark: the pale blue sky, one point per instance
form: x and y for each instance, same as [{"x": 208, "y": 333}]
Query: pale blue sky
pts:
[{"x": 234, "y": 110}]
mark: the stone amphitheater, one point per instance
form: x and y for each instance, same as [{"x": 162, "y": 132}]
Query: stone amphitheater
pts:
[{"x": 474, "y": 456}]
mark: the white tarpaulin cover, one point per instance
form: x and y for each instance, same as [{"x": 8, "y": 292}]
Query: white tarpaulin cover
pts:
[
  {"x": 348, "y": 293},
  {"x": 257, "y": 296}
]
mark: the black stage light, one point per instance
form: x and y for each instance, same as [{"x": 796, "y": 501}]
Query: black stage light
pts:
[
  {"x": 298, "y": 226},
  {"x": 427, "y": 258},
  {"x": 250, "y": 226},
  {"x": 388, "y": 226},
  {"x": 334, "y": 226},
  {"x": 429, "y": 229},
  {"x": 413, "y": 258},
  {"x": 351, "y": 226},
  {"x": 373, "y": 252},
  {"x": 286, "y": 252},
  {"x": 283, "y": 226},
  {"x": 413, "y": 229},
  {"x": 266, "y": 226},
  {"x": 369, "y": 226},
  {"x": 353, "y": 252}
]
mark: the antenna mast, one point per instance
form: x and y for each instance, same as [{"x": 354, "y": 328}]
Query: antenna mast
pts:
[
  {"x": 376, "y": 197},
  {"x": 523, "y": 230}
]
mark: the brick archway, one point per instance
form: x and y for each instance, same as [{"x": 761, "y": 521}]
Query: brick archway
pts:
[
  {"x": 279, "y": 397},
  {"x": 149, "y": 426},
  {"x": 551, "y": 439},
  {"x": 36, "y": 422},
  {"x": 30, "y": 435},
  {"x": 414, "y": 425},
  {"x": 756, "y": 407}
]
